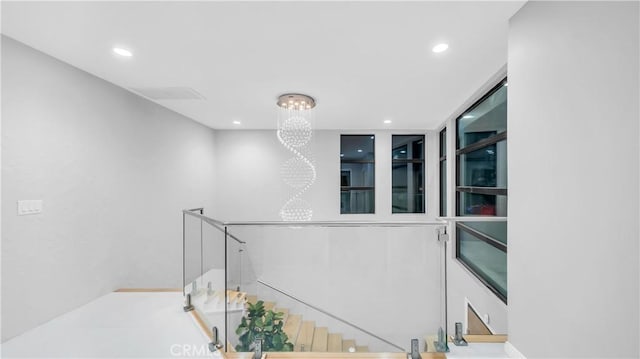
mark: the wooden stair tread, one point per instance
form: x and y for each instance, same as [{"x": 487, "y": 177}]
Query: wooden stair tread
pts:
[
  {"x": 234, "y": 296},
  {"x": 292, "y": 327},
  {"x": 253, "y": 299},
  {"x": 362, "y": 349},
  {"x": 348, "y": 343},
  {"x": 334, "y": 343},
  {"x": 269, "y": 306},
  {"x": 320, "y": 338},
  {"x": 305, "y": 336}
]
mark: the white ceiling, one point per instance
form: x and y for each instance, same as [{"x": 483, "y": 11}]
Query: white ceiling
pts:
[{"x": 364, "y": 62}]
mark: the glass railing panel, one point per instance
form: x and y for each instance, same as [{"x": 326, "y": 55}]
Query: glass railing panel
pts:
[
  {"x": 380, "y": 286},
  {"x": 205, "y": 271},
  {"x": 240, "y": 282},
  {"x": 192, "y": 251},
  {"x": 211, "y": 301},
  {"x": 315, "y": 321}
]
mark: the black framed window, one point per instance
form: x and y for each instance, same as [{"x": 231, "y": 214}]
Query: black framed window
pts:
[
  {"x": 443, "y": 172},
  {"x": 407, "y": 174},
  {"x": 481, "y": 188},
  {"x": 357, "y": 174},
  {"x": 481, "y": 247},
  {"x": 481, "y": 142}
]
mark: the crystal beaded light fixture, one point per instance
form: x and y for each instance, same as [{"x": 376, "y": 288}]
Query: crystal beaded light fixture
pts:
[{"x": 295, "y": 133}]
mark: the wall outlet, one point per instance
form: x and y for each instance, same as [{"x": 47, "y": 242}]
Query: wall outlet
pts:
[{"x": 29, "y": 207}]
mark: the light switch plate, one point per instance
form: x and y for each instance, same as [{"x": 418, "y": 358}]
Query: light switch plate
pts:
[{"x": 29, "y": 207}]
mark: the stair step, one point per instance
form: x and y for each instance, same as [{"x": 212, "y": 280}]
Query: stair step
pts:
[
  {"x": 334, "y": 343},
  {"x": 253, "y": 299},
  {"x": 348, "y": 344},
  {"x": 362, "y": 349},
  {"x": 269, "y": 306},
  {"x": 305, "y": 336},
  {"x": 320, "y": 338},
  {"x": 234, "y": 297},
  {"x": 292, "y": 327}
]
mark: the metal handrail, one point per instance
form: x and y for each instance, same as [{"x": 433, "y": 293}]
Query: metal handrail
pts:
[
  {"x": 331, "y": 315},
  {"x": 473, "y": 219},
  {"x": 219, "y": 225},
  {"x": 213, "y": 221},
  {"x": 339, "y": 223}
]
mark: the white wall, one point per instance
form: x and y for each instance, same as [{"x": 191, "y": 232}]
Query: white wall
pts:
[
  {"x": 573, "y": 180},
  {"x": 113, "y": 169},
  {"x": 250, "y": 186}
]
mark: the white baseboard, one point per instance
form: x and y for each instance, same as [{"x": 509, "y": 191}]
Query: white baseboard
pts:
[{"x": 512, "y": 352}]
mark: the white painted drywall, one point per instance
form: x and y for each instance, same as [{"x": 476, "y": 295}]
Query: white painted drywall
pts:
[
  {"x": 573, "y": 179},
  {"x": 250, "y": 186},
  {"x": 113, "y": 169}
]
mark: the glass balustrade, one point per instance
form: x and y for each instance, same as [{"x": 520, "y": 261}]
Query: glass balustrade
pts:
[
  {"x": 205, "y": 270},
  {"x": 338, "y": 286}
]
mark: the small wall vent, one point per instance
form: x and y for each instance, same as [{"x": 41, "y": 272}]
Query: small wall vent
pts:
[{"x": 168, "y": 93}]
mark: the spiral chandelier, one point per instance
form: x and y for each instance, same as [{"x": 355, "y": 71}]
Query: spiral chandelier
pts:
[{"x": 295, "y": 133}]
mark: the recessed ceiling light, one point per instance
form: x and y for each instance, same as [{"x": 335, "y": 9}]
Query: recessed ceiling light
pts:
[
  {"x": 387, "y": 121},
  {"x": 342, "y": 155},
  {"x": 403, "y": 151},
  {"x": 467, "y": 116},
  {"x": 440, "y": 47},
  {"x": 122, "y": 52},
  {"x": 359, "y": 150},
  {"x": 237, "y": 122},
  {"x": 506, "y": 84},
  {"x": 372, "y": 137}
]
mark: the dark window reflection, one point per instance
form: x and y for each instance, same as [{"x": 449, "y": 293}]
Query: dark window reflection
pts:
[
  {"x": 357, "y": 174},
  {"x": 482, "y": 156},
  {"x": 407, "y": 175}
]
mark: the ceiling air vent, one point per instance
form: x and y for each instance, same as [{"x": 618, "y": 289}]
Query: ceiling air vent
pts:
[{"x": 168, "y": 93}]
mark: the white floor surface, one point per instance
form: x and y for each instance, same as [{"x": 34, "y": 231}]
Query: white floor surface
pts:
[
  {"x": 117, "y": 325},
  {"x": 478, "y": 351},
  {"x": 142, "y": 325}
]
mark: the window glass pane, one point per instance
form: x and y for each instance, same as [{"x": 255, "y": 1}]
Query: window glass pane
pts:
[
  {"x": 495, "y": 230},
  {"x": 443, "y": 188},
  {"x": 487, "y": 261},
  {"x": 475, "y": 204},
  {"x": 357, "y": 148},
  {"x": 486, "y": 167},
  {"x": 357, "y": 201},
  {"x": 408, "y": 191},
  {"x": 486, "y": 119},
  {"x": 407, "y": 174},
  {"x": 357, "y": 173},
  {"x": 443, "y": 143},
  {"x": 408, "y": 147}
]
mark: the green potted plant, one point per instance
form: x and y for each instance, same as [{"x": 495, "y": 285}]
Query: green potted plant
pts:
[{"x": 262, "y": 324}]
